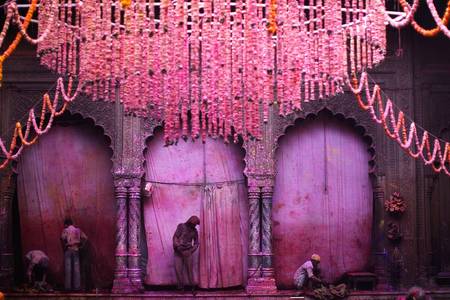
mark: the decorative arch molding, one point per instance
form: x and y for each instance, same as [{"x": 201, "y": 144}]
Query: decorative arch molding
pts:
[
  {"x": 101, "y": 113},
  {"x": 347, "y": 112},
  {"x": 150, "y": 126}
]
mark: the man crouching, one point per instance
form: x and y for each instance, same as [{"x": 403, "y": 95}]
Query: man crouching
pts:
[{"x": 305, "y": 276}]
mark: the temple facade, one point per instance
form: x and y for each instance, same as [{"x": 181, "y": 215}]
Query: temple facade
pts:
[{"x": 317, "y": 181}]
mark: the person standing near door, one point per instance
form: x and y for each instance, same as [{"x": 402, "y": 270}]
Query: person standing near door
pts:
[
  {"x": 185, "y": 243},
  {"x": 73, "y": 239}
]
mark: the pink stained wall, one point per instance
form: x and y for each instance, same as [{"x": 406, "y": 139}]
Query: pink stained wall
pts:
[
  {"x": 322, "y": 200},
  {"x": 68, "y": 173},
  {"x": 222, "y": 210}
]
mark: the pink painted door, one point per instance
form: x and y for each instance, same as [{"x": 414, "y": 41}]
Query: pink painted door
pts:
[
  {"x": 322, "y": 200},
  {"x": 192, "y": 178},
  {"x": 68, "y": 173}
]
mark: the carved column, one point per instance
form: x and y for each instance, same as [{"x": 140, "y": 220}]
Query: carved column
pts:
[
  {"x": 121, "y": 282},
  {"x": 260, "y": 272},
  {"x": 7, "y": 189},
  {"x": 380, "y": 254},
  {"x": 266, "y": 237},
  {"x": 426, "y": 262},
  {"x": 254, "y": 259},
  {"x": 134, "y": 230}
]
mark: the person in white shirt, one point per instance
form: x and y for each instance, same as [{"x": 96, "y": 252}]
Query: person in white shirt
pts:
[
  {"x": 306, "y": 273},
  {"x": 38, "y": 263},
  {"x": 72, "y": 239}
]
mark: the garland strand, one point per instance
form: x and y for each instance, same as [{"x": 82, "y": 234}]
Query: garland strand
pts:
[
  {"x": 437, "y": 156},
  {"x": 48, "y": 106},
  {"x": 427, "y": 32},
  {"x": 18, "y": 38},
  {"x": 409, "y": 18}
]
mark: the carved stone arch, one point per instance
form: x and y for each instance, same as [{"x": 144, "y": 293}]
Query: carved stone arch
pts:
[
  {"x": 342, "y": 108},
  {"x": 100, "y": 112},
  {"x": 345, "y": 108},
  {"x": 78, "y": 121}
]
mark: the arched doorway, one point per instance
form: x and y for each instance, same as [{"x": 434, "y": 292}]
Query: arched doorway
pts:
[
  {"x": 204, "y": 179},
  {"x": 322, "y": 199},
  {"x": 68, "y": 174}
]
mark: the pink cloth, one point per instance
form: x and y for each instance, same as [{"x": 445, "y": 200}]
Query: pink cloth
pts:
[
  {"x": 178, "y": 174},
  {"x": 68, "y": 174},
  {"x": 322, "y": 200}
]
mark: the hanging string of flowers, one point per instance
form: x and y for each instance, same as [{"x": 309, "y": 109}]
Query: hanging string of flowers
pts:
[
  {"x": 433, "y": 152},
  {"x": 49, "y": 109},
  {"x": 427, "y": 32},
  {"x": 12, "y": 10},
  {"x": 213, "y": 67},
  {"x": 410, "y": 11}
]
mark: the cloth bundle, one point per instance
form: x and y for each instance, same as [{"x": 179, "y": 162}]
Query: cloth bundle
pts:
[{"x": 331, "y": 292}]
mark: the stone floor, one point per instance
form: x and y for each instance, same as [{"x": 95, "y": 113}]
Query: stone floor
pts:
[{"x": 213, "y": 295}]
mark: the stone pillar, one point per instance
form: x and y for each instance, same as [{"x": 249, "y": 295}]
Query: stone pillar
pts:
[
  {"x": 261, "y": 276},
  {"x": 254, "y": 258},
  {"x": 134, "y": 230},
  {"x": 425, "y": 251},
  {"x": 7, "y": 189},
  {"x": 121, "y": 282},
  {"x": 266, "y": 237},
  {"x": 380, "y": 253}
]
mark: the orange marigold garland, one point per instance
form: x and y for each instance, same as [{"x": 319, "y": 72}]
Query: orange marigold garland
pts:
[
  {"x": 47, "y": 106},
  {"x": 272, "y": 22},
  {"x": 437, "y": 156},
  {"x": 427, "y": 32},
  {"x": 18, "y": 38}
]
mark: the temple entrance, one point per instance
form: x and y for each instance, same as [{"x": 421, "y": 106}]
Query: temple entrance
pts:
[
  {"x": 203, "y": 179},
  {"x": 322, "y": 199},
  {"x": 68, "y": 174}
]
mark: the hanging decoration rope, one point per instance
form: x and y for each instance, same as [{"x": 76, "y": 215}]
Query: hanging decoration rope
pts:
[
  {"x": 211, "y": 67},
  {"x": 49, "y": 110},
  {"x": 433, "y": 152}
]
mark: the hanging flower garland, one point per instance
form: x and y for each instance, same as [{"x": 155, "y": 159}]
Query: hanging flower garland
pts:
[
  {"x": 272, "y": 25},
  {"x": 427, "y": 32},
  {"x": 409, "y": 18},
  {"x": 213, "y": 68},
  {"x": 406, "y": 20},
  {"x": 437, "y": 19},
  {"x": 48, "y": 107},
  {"x": 18, "y": 37},
  {"x": 435, "y": 153}
]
